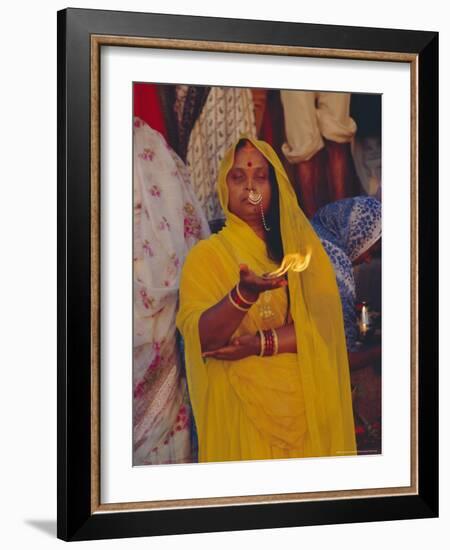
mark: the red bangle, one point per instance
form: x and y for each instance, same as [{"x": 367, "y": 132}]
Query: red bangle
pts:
[
  {"x": 242, "y": 297},
  {"x": 268, "y": 342},
  {"x": 238, "y": 300}
]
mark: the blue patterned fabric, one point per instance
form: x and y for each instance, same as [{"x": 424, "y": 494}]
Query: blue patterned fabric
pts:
[{"x": 347, "y": 228}]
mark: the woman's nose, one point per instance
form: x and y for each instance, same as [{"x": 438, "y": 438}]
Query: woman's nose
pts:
[{"x": 251, "y": 184}]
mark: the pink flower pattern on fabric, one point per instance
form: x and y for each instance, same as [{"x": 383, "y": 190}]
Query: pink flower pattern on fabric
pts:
[
  {"x": 147, "y": 154},
  {"x": 192, "y": 225},
  {"x": 147, "y": 248},
  {"x": 146, "y": 300},
  {"x": 182, "y": 422},
  {"x": 168, "y": 221},
  {"x": 156, "y": 346},
  {"x": 155, "y": 191},
  {"x": 139, "y": 390},
  {"x": 164, "y": 224}
]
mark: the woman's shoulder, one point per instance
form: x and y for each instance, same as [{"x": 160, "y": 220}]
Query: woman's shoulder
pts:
[
  {"x": 204, "y": 245},
  {"x": 205, "y": 250},
  {"x": 202, "y": 273}
]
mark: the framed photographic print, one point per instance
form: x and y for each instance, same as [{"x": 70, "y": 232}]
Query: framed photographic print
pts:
[{"x": 247, "y": 274}]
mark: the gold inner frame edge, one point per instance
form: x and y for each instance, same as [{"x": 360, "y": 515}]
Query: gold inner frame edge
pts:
[{"x": 214, "y": 46}]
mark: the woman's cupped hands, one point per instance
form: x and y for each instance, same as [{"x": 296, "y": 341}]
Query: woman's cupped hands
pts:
[{"x": 251, "y": 286}]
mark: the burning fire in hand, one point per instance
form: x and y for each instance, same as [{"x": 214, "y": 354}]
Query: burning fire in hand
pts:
[{"x": 294, "y": 262}]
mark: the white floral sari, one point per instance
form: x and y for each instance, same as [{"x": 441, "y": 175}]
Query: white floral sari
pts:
[
  {"x": 227, "y": 113},
  {"x": 168, "y": 221}
]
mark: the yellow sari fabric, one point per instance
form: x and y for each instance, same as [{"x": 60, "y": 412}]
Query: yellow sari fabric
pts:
[{"x": 287, "y": 405}]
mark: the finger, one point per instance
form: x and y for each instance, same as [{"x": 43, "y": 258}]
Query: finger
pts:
[
  {"x": 210, "y": 353},
  {"x": 215, "y": 352},
  {"x": 267, "y": 280},
  {"x": 221, "y": 356},
  {"x": 281, "y": 279},
  {"x": 275, "y": 283},
  {"x": 228, "y": 351},
  {"x": 224, "y": 358}
]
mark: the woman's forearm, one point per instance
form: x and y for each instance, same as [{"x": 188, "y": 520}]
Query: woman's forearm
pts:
[
  {"x": 218, "y": 323},
  {"x": 287, "y": 341}
]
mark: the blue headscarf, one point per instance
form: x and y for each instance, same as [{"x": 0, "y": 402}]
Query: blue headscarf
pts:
[{"x": 347, "y": 228}]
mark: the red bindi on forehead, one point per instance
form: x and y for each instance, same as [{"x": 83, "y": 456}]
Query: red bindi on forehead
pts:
[{"x": 249, "y": 157}]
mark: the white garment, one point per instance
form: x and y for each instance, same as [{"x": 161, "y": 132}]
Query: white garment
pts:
[
  {"x": 168, "y": 221},
  {"x": 366, "y": 154},
  {"x": 310, "y": 116},
  {"x": 227, "y": 113}
]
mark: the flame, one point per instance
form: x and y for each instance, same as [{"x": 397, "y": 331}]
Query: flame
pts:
[{"x": 294, "y": 262}]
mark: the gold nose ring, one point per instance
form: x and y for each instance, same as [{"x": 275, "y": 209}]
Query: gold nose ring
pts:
[{"x": 254, "y": 197}]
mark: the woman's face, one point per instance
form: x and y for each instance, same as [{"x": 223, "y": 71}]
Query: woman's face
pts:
[
  {"x": 250, "y": 170},
  {"x": 367, "y": 256}
]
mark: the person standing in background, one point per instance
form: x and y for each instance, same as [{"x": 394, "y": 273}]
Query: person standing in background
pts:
[
  {"x": 167, "y": 222},
  {"x": 319, "y": 130},
  {"x": 350, "y": 232}
]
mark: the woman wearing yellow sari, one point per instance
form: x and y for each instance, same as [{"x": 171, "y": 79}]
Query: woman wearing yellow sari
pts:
[{"x": 266, "y": 358}]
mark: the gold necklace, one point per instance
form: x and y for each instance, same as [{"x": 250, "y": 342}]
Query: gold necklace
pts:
[
  {"x": 265, "y": 311},
  {"x": 264, "y": 304}
]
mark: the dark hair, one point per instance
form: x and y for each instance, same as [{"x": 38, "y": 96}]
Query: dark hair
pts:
[{"x": 274, "y": 243}]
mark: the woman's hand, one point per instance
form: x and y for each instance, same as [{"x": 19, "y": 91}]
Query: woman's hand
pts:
[
  {"x": 251, "y": 285},
  {"x": 369, "y": 356},
  {"x": 238, "y": 348}
]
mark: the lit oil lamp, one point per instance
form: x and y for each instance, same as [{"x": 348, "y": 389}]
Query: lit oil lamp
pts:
[
  {"x": 294, "y": 262},
  {"x": 365, "y": 325}
]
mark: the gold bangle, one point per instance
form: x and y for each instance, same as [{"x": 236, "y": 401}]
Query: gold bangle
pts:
[
  {"x": 237, "y": 306},
  {"x": 262, "y": 340},
  {"x": 242, "y": 298},
  {"x": 275, "y": 340}
]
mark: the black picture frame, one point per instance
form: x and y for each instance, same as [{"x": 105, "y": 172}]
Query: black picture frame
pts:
[{"x": 78, "y": 518}]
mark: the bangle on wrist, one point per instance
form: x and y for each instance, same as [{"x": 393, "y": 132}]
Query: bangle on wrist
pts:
[
  {"x": 236, "y": 303},
  {"x": 261, "y": 342},
  {"x": 275, "y": 339},
  {"x": 269, "y": 342},
  {"x": 242, "y": 298}
]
